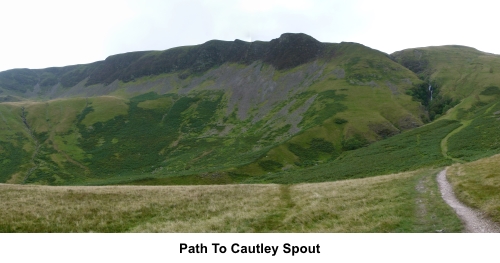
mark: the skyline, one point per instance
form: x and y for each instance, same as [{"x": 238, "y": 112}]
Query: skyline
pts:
[{"x": 56, "y": 33}]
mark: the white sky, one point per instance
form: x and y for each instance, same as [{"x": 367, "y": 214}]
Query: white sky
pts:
[{"x": 40, "y": 34}]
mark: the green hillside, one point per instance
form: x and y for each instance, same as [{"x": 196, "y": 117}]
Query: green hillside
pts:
[
  {"x": 459, "y": 73},
  {"x": 252, "y": 116},
  {"x": 286, "y": 111}
]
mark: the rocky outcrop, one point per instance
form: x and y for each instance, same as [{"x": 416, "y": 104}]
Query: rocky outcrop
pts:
[{"x": 287, "y": 51}]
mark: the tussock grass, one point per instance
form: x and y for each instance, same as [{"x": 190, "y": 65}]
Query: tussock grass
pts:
[
  {"x": 404, "y": 202},
  {"x": 477, "y": 184},
  {"x": 379, "y": 204}
]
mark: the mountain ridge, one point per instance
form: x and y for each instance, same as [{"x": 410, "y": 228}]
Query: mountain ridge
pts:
[
  {"x": 184, "y": 60},
  {"x": 274, "y": 52}
]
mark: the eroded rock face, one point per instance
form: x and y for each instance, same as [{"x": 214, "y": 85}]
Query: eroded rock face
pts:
[
  {"x": 287, "y": 51},
  {"x": 291, "y": 50}
]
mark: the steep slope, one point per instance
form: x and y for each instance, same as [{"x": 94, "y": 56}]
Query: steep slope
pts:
[
  {"x": 469, "y": 79},
  {"x": 456, "y": 73},
  {"x": 222, "y": 111},
  {"x": 288, "y": 51}
]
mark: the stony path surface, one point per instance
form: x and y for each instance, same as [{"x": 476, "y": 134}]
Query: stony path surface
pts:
[{"x": 474, "y": 222}]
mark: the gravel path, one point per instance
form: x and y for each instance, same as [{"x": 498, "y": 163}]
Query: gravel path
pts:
[{"x": 474, "y": 222}]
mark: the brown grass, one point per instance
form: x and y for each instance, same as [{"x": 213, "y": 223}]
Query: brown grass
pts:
[{"x": 378, "y": 204}]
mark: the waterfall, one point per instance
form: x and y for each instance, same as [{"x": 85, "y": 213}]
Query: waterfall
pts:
[{"x": 430, "y": 89}]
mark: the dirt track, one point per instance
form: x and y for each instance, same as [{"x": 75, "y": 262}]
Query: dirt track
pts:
[{"x": 473, "y": 220}]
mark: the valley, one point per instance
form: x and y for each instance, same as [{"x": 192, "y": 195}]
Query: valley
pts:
[{"x": 291, "y": 135}]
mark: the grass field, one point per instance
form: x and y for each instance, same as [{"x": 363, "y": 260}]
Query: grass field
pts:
[
  {"x": 477, "y": 184},
  {"x": 407, "y": 202}
]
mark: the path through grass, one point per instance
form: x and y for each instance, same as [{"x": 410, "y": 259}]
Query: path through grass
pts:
[
  {"x": 390, "y": 203},
  {"x": 477, "y": 184},
  {"x": 444, "y": 142}
]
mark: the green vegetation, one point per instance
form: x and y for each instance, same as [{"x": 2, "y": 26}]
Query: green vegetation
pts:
[
  {"x": 340, "y": 121},
  {"x": 175, "y": 138},
  {"x": 166, "y": 124},
  {"x": 295, "y": 112},
  {"x": 416, "y": 60},
  {"x": 314, "y": 117},
  {"x": 270, "y": 165},
  {"x": 15, "y": 157},
  {"x": 490, "y": 90},
  {"x": 103, "y": 109},
  {"x": 141, "y": 133},
  {"x": 430, "y": 97},
  {"x": 328, "y": 103},
  {"x": 480, "y": 138},
  {"x": 309, "y": 156},
  {"x": 404, "y": 152},
  {"x": 476, "y": 184},
  {"x": 355, "y": 142},
  {"x": 460, "y": 71}
]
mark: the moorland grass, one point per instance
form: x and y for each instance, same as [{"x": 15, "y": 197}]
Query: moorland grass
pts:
[
  {"x": 404, "y": 202},
  {"x": 477, "y": 185},
  {"x": 15, "y": 145}
]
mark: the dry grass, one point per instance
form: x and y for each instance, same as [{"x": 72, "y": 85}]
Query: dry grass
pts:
[
  {"x": 404, "y": 202},
  {"x": 378, "y": 204},
  {"x": 133, "y": 208},
  {"x": 478, "y": 184},
  {"x": 360, "y": 205}
]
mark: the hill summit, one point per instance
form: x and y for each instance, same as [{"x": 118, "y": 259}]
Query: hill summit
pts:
[{"x": 287, "y": 51}]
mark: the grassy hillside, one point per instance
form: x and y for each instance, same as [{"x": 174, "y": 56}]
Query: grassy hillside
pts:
[
  {"x": 229, "y": 122},
  {"x": 287, "y": 111},
  {"x": 394, "y": 203},
  {"x": 404, "y": 152},
  {"x": 457, "y": 73},
  {"x": 476, "y": 184},
  {"x": 437, "y": 144},
  {"x": 320, "y": 124}
]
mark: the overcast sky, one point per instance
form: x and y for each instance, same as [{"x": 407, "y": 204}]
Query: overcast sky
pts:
[{"x": 39, "y": 34}]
